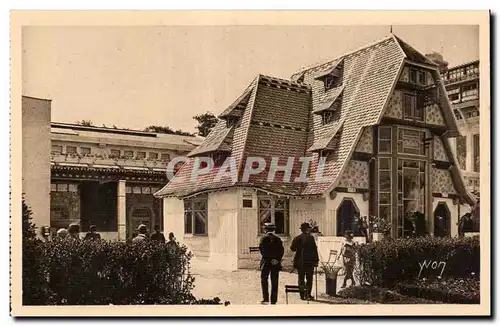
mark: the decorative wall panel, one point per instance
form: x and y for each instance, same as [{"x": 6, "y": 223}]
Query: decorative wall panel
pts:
[
  {"x": 441, "y": 182},
  {"x": 439, "y": 151},
  {"x": 365, "y": 143},
  {"x": 433, "y": 115},
  {"x": 395, "y": 106},
  {"x": 355, "y": 176}
]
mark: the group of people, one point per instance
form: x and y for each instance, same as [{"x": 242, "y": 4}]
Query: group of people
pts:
[
  {"x": 306, "y": 259},
  {"x": 157, "y": 235},
  {"x": 73, "y": 232}
]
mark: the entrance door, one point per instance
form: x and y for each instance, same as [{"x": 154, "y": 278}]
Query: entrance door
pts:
[
  {"x": 442, "y": 225},
  {"x": 140, "y": 215},
  {"x": 346, "y": 214}
]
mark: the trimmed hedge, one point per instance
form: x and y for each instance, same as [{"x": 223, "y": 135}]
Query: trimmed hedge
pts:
[
  {"x": 73, "y": 272},
  {"x": 464, "y": 291},
  {"x": 381, "y": 295},
  {"x": 387, "y": 262}
]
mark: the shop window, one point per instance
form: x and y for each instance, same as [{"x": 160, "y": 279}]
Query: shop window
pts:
[
  {"x": 384, "y": 140},
  {"x": 475, "y": 144},
  {"x": 411, "y": 193},
  {"x": 384, "y": 188},
  {"x": 195, "y": 216},
  {"x": 275, "y": 210}
]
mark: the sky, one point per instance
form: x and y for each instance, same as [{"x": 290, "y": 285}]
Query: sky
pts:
[{"x": 133, "y": 77}]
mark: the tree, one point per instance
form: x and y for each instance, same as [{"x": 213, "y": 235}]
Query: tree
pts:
[
  {"x": 166, "y": 130},
  {"x": 29, "y": 229},
  {"x": 86, "y": 123},
  {"x": 206, "y": 122}
]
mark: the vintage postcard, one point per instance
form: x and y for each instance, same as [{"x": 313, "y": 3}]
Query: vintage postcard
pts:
[{"x": 223, "y": 163}]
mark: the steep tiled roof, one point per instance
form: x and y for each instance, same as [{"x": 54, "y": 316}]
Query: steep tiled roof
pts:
[
  {"x": 325, "y": 136},
  {"x": 278, "y": 120},
  {"x": 327, "y": 103},
  {"x": 219, "y": 139},
  {"x": 238, "y": 106}
]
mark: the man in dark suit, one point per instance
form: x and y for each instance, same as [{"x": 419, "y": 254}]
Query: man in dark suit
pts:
[
  {"x": 306, "y": 258},
  {"x": 271, "y": 249}
]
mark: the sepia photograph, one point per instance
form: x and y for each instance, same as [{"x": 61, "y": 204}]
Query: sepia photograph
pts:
[{"x": 250, "y": 164}]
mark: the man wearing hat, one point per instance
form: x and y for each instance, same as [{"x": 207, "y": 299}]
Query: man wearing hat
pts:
[
  {"x": 142, "y": 230},
  {"x": 272, "y": 250},
  {"x": 306, "y": 258}
]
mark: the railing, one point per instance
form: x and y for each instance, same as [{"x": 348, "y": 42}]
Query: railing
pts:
[
  {"x": 460, "y": 78},
  {"x": 472, "y": 181}
]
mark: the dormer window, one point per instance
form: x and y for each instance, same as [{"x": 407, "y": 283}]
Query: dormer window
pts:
[
  {"x": 325, "y": 154},
  {"x": 332, "y": 81},
  {"x": 219, "y": 158},
  {"x": 231, "y": 121},
  {"x": 332, "y": 77},
  {"x": 327, "y": 116}
]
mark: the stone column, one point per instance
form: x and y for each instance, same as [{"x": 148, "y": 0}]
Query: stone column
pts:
[{"x": 122, "y": 210}]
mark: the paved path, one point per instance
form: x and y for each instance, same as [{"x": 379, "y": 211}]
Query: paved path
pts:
[{"x": 243, "y": 286}]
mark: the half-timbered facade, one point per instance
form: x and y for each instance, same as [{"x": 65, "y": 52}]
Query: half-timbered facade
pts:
[{"x": 375, "y": 122}]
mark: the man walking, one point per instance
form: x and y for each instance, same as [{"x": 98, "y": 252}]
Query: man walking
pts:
[
  {"x": 305, "y": 260},
  {"x": 271, "y": 249}
]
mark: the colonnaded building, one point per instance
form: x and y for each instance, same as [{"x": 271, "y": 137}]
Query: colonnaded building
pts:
[
  {"x": 91, "y": 175},
  {"x": 380, "y": 117},
  {"x": 107, "y": 177}
]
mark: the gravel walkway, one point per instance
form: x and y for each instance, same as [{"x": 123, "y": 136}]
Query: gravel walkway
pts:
[{"x": 243, "y": 286}]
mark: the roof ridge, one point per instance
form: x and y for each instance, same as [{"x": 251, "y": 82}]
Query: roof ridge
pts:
[
  {"x": 466, "y": 63},
  {"x": 288, "y": 81},
  {"x": 312, "y": 66}
]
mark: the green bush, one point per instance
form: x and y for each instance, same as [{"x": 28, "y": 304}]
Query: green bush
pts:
[
  {"x": 381, "y": 295},
  {"x": 464, "y": 291},
  {"x": 387, "y": 262},
  {"x": 72, "y": 272}
]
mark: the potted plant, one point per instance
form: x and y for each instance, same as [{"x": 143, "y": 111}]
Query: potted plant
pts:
[{"x": 379, "y": 228}]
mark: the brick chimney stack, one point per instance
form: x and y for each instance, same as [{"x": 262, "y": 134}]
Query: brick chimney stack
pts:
[{"x": 437, "y": 58}]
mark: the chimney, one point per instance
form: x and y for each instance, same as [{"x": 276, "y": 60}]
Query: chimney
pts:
[{"x": 437, "y": 58}]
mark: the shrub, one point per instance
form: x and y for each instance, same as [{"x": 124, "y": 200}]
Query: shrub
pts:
[
  {"x": 76, "y": 272},
  {"x": 464, "y": 291},
  {"x": 386, "y": 262},
  {"x": 381, "y": 295}
]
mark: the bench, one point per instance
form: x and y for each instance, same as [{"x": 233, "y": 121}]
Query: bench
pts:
[{"x": 292, "y": 289}]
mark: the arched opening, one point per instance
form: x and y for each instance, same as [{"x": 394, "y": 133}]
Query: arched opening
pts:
[
  {"x": 442, "y": 220},
  {"x": 346, "y": 217}
]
